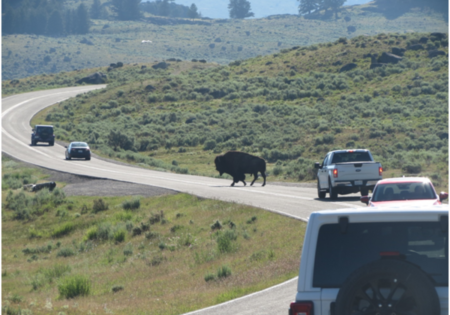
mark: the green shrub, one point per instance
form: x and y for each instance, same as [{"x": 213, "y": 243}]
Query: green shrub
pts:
[
  {"x": 91, "y": 234},
  {"x": 128, "y": 250},
  {"x": 209, "y": 145},
  {"x": 277, "y": 170},
  {"x": 209, "y": 277},
  {"x": 412, "y": 168},
  {"x": 63, "y": 230},
  {"x": 225, "y": 241},
  {"x": 216, "y": 225},
  {"x": 73, "y": 286},
  {"x": 136, "y": 231},
  {"x": 99, "y": 205},
  {"x": 65, "y": 252},
  {"x": 132, "y": 204},
  {"x": 151, "y": 235},
  {"x": 223, "y": 272},
  {"x": 119, "y": 236},
  {"x": 117, "y": 288},
  {"x": 104, "y": 232},
  {"x": 38, "y": 250},
  {"x": 156, "y": 217}
]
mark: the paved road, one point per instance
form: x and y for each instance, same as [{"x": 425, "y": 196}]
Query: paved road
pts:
[{"x": 292, "y": 201}]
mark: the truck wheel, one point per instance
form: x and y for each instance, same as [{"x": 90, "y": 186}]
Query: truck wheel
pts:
[
  {"x": 320, "y": 194},
  {"x": 332, "y": 191},
  {"x": 387, "y": 286},
  {"x": 364, "y": 192}
]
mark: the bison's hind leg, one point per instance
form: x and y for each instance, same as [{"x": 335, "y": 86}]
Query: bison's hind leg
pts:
[{"x": 264, "y": 176}]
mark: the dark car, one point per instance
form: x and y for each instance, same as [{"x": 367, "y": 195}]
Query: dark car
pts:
[
  {"x": 43, "y": 133},
  {"x": 78, "y": 150}
]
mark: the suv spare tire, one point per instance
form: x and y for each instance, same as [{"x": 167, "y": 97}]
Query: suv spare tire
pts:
[{"x": 386, "y": 287}]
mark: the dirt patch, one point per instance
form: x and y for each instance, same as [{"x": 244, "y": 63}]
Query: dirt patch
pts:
[{"x": 90, "y": 186}]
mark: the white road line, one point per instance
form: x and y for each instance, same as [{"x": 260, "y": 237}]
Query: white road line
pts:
[{"x": 242, "y": 298}]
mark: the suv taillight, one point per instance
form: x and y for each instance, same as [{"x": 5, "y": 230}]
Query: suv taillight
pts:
[
  {"x": 301, "y": 308},
  {"x": 380, "y": 171}
]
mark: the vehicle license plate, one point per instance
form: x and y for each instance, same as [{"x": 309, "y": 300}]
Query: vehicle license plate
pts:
[
  {"x": 358, "y": 182},
  {"x": 80, "y": 151}
]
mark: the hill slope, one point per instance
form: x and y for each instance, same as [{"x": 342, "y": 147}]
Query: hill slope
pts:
[
  {"x": 220, "y": 41},
  {"x": 290, "y": 108}
]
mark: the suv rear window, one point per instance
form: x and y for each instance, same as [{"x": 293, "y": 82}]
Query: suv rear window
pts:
[
  {"x": 45, "y": 131},
  {"x": 345, "y": 157},
  {"x": 424, "y": 244}
]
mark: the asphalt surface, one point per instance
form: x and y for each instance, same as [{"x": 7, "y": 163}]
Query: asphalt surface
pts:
[{"x": 289, "y": 200}]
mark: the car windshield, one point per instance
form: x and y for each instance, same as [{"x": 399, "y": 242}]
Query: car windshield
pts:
[
  {"x": 79, "y": 145},
  {"x": 345, "y": 157},
  {"x": 424, "y": 244},
  {"x": 403, "y": 191}
]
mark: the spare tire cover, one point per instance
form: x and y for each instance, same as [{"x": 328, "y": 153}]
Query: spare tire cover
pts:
[{"x": 387, "y": 287}]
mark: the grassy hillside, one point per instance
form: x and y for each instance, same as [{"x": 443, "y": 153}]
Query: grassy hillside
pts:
[
  {"x": 220, "y": 41},
  {"x": 290, "y": 108},
  {"x": 171, "y": 254}
]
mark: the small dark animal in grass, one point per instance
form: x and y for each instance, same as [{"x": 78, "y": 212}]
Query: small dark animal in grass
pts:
[{"x": 237, "y": 164}]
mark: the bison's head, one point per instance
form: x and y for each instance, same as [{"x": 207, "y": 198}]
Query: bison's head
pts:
[{"x": 219, "y": 164}]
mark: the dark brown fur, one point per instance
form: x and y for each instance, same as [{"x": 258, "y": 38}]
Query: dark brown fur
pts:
[{"x": 237, "y": 164}]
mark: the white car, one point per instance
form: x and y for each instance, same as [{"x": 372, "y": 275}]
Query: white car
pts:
[{"x": 374, "y": 261}]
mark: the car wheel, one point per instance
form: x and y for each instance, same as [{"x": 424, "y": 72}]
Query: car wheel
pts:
[
  {"x": 88, "y": 158},
  {"x": 332, "y": 191},
  {"x": 364, "y": 192},
  {"x": 320, "y": 194},
  {"x": 33, "y": 142},
  {"x": 51, "y": 143},
  {"x": 387, "y": 286}
]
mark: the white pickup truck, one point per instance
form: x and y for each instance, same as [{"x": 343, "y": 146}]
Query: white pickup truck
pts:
[
  {"x": 347, "y": 171},
  {"x": 373, "y": 261}
]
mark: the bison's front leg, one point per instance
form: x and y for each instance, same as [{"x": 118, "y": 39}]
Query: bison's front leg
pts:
[
  {"x": 255, "y": 178},
  {"x": 232, "y": 184}
]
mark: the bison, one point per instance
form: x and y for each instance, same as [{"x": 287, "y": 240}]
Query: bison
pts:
[{"x": 237, "y": 164}]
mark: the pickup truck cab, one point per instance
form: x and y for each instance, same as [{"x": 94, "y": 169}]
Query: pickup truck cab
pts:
[
  {"x": 347, "y": 171},
  {"x": 374, "y": 261}
]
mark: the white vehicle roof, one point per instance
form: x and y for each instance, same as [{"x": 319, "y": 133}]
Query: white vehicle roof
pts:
[
  {"x": 385, "y": 214},
  {"x": 349, "y": 150},
  {"x": 404, "y": 179}
]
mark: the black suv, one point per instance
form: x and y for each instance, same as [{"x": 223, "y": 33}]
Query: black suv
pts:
[{"x": 43, "y": 133}]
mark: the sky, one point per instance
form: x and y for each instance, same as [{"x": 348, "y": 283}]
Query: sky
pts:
[{"x": 218, "y": 9}]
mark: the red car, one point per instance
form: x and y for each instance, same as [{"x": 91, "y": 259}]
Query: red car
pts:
[{"x": 404, "y": 190}]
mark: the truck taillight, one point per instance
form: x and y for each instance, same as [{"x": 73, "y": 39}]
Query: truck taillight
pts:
[
  {"x": 335, "y": 173},
  {"x": 301, "y": 308},
  {"x": 380, "y": 171}
]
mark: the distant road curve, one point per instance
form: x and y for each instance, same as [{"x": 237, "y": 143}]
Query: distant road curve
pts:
[{"x": 292, "y": 201}]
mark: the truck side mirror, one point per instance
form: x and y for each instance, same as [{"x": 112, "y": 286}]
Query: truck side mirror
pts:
[
  {"x": 317, "y": 165},
  {"x": 365, "y": 199},
  {"x": 443, "y": 196}
]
